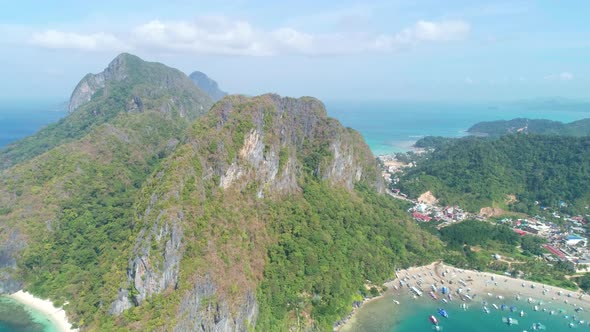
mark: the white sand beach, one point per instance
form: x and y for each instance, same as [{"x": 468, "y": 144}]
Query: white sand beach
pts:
[
  {"x": 483, "y": 285},
  {"x": 56, "y": 315}
]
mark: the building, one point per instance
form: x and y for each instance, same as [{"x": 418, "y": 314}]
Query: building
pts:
[
  {"x": 421, "y": 217},
  {"x": 574, "y": 240}
]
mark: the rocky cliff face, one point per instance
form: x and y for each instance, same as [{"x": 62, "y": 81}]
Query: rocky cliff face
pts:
[
  {"x": 117, "y": 70},
  {"x": 208, "y": 85},
  {"x": 245, "y": 149}
]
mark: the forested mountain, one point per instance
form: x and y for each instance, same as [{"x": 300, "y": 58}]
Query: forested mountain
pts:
[
  {"x": 532, "y": 126},
  {"x": 481, "y": 172},
  {"x": 128, "y": 85},
  {"x": 207, "y": 85},
  {"x": 264, "y": 214}
]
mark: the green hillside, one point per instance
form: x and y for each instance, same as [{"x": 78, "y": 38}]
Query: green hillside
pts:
[
  {"x": 127, "y": 85},
  {"x": 531, "y": 126},
  {"x": 264, "y": 214},
  {"x": 65, "y": 213},
  {"x": 478, "y": 172}
]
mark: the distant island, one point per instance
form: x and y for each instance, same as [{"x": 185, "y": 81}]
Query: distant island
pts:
[{"x": 531, "y": 126}]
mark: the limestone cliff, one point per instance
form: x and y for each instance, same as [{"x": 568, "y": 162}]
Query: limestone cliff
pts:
[{"x": 253, "y": 148}]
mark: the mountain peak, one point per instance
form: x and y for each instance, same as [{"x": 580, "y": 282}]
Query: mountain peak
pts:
[
  {"x": 129, "y": 79},
  {"x": 208, "y": 85}
]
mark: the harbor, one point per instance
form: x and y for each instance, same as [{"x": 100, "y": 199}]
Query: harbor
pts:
[{"x": 467, "y": 297}]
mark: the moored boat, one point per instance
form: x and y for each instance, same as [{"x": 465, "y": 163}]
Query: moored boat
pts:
[
  {"x": 443, "y": 312},
  {"x": 433, "y": 320}
]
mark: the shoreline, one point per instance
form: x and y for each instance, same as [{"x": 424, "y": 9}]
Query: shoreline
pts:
[
  {"x": 56, "y": 315},
  {"x": 477, "y": 285}
]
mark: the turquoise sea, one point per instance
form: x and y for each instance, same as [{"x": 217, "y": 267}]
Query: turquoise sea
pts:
[
  {"x": 411, "y": 315},
  {"x": 15, "y": 317},
  {"x": 394, "y": 126}
]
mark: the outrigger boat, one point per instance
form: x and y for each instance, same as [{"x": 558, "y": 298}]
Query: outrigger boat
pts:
[
  {"x": 443, "y": 312},
  {"x": 432, "y": 295},
  {"x": 433, "y": 320},
  {"x": 509, "y": 321}
]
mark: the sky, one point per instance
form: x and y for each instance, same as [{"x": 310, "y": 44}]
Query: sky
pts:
[{"x": 335, "y": 50}]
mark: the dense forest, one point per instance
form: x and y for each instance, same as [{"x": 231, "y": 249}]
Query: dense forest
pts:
[{"x": 539, "y": 170}]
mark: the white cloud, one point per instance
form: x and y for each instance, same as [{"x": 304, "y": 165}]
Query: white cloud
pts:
[
  {"x": 566, "y": 76},
  {"x": 424, "y": 31},
  {"x": 70, "y": 40},
  {"x": 563, "y": 76},
  {"x": 220, "y": 35},
  {"x": 468, "y": 80}
]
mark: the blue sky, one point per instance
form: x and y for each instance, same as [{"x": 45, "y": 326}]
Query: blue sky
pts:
[{"x": 412, "y": 50}]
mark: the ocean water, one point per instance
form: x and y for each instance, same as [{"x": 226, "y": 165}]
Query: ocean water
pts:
[
  {"x": 23, "y": 118},
  {"x": 15, "y": 317},
  {"x": 411, "y": 315},
  {"x": 395, "y": 126}
]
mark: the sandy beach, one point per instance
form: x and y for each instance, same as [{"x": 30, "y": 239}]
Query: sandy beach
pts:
[
  {"x": 56, "y": 315},
  {"x": 473, "y": 287},
  {"x": 480, "y": 286}
]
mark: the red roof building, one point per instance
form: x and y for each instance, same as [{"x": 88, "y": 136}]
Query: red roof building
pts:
[
  {"x": 421, "y": 217},
  {"x": 554, "y": 251},
  {"x": 519, "y": 232}
]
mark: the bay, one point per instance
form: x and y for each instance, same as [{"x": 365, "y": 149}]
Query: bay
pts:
[{"x": 394, "y": 126}]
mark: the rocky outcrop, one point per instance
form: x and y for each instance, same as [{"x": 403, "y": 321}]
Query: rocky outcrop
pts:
[
  {"x": 208, "y": 85},
  {"x": 91, "y": 83},
  {"x": 202, "y": 310},
  {"x": 9, "y": 250}
]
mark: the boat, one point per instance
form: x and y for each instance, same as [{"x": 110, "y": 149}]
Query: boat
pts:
[
  {"x": 416, "y": 291},
  {"x": 495, "y": 306},
  {"x": 433, "y": 287},
  {"x": 486, "y": 310},
  {"x": 445, "y": 300},
  {"x": 395, "y": 301},
  {"x": 437, "y": 328},
  {"x": 538, "y": 327},
  {"x": 443, "y": 312},
  {"x": 521, "y": 313},
  {"x": 536, "y": 308},
  {"x": 466, "y": 296},
  {"x": 444, "y": 290},
  {"x": 512, "y": 308},
  {"x": 571, "y": 325},
  {"x": 433, "y": 295},
  {"x": 464, "y": 306},
  {"x": 433, "y": 320},
  {"x": 509, "y": 320},
  {"x": 503, "y": 307}
]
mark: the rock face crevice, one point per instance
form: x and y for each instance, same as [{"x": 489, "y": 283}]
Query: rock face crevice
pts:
[
  {"x": 8, "y": 255},
  {"x": 203, "y": 310}
]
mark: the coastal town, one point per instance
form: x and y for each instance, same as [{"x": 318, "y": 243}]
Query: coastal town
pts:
[{"x": 566, "y": 236}]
